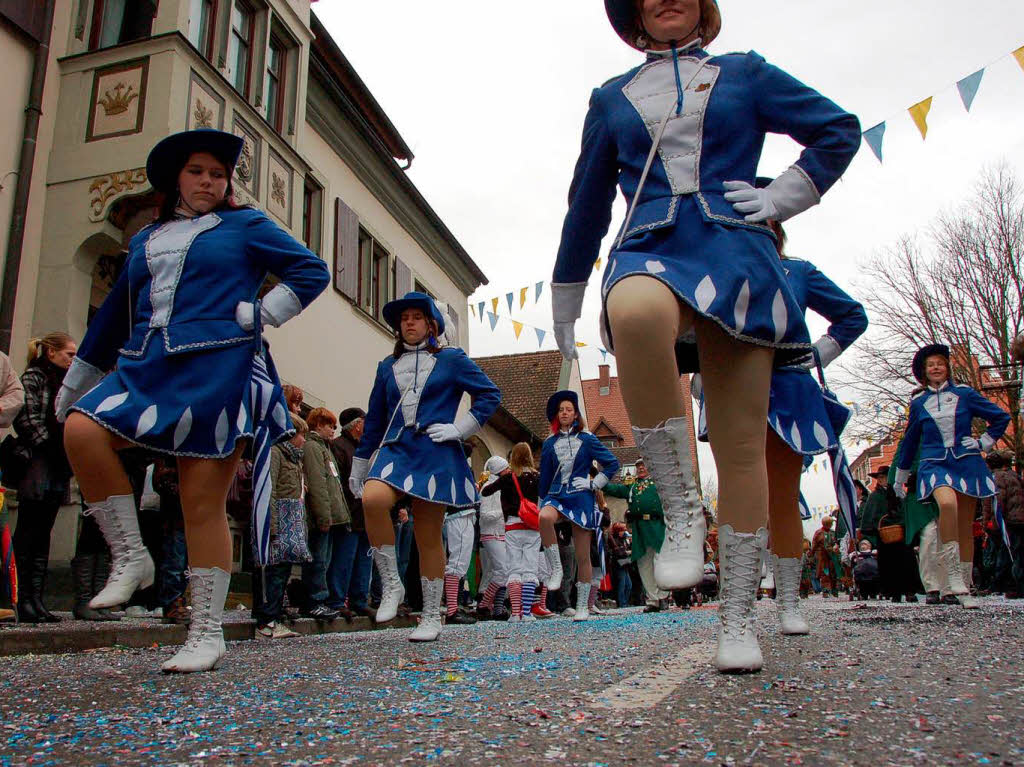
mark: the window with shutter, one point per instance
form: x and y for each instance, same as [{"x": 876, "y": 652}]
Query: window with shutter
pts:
[
  {"x": 403, "y": 278},
  {"x": 346, "y": 250},
  {"x": 453, "y": 330}
]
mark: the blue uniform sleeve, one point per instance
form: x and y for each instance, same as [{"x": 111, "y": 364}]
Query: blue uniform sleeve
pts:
[
  {"x": 997, "y": 418},
  {"x": 110, "y": 327},
  {"x": 486, "y": 395},
  {"x": 287, "y": 259},
  {"x": 547, "y": 468},
  {"x": 590, "y": 199},
  {"x": 785, "y": 105},
  {"x": 907, "y": 450},
  {"x": 609, "y": 463},
  {"x": 376, "y": 419},
  {"x": 846, "y": 315}
]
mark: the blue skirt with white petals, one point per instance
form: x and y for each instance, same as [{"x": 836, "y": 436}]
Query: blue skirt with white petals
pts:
[
  {"x": 968, "y": 475},
  {"x": 431, "y": 471},
  {"x": 197, "y": 404},
  {"x": 579, "y": 507},
  {"x": 729, "y": 274}
]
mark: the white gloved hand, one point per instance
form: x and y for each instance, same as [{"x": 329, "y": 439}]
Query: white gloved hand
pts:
[
  {"x": 357, "y": 476},
  {"x": 828, "y": 350},
  {"x": 791, "y": 193},
  {"x": 986, "y": 442},
  {"x": 696, "y": 386},
  {"x": 245, "y": 315},
  {"x": 444, "y": 432},
  {"x": 899, "y": 483},
  {"x": 971, "y": 443},
  {"x": 581, "y": 483},
  {"x": 79, "y": 379},
  {"x": 565, "y": 337}
]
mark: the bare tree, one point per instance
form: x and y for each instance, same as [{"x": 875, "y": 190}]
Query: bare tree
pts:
[
  {"x": 709, "y": 492},
  {"x": 960, "y": 283}
]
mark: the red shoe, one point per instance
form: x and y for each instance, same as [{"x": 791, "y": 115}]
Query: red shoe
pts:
[{"x": 540, "y": 611}]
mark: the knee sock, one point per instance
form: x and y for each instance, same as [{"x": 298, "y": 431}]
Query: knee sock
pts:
[
  {"x": 515, "y": 594},
  {"x": 528, "y": 591},
  {"x": 487, "y": 600},
  {"x": 595, "y": 589},
  {"x": 451, "y": 592},
  {"x": 499, "y": 599},
  {"x": 542, "y": 597}
]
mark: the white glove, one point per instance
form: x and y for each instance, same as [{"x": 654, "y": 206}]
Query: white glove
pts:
[
  {"x": 581, "y": 483},
  {"x": 565, "y": 337},
  {"x": 357, "y": 477},
  {"x": 696, "y": 386},
  {"x": 444, "y": 432},
  {"x": 899, "y": 483},
  {"x": 276, "y": 308},
  {"x": 245, "y": 314},
  {"x": 828, "y": 350},
  {"x": 79, "y": 379},
  {"x": 971, "y": 443},
  {"x": 791, "y": 193}
]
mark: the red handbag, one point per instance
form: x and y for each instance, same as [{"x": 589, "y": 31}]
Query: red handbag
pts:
[{"x": 528, "y": 511}]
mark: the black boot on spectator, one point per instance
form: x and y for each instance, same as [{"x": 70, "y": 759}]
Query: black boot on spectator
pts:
[
  {"x": 932, "y": 598},
  {"x": 82, "y": 567},
  {"x": 26, "y": 606},
  {"x": 42, "y": 561}
]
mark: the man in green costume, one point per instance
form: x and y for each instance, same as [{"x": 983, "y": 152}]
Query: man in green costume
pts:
[
  {"x": 644, "y": 514},
  {"x": 876, "y": 506},
  {"x": 921, "y": 520}
]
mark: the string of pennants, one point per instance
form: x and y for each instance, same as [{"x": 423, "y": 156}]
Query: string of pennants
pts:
[{"x": 967, "y": 87}]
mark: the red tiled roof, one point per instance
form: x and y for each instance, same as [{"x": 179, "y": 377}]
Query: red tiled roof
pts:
[{"x": 526, "y": 381}]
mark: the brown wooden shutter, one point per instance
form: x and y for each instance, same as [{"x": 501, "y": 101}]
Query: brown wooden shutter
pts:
[
  {"x": 403, "y": 278},
  {"x": 346, "y": 250}
]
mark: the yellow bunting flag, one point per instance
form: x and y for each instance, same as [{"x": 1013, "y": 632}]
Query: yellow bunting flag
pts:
[
  {"x": 472, "y": 310},
  {"x": 1019, "y": 55},
  {"x": 580, "y": 343},
  {"x": 597, "y": 264},
  {"x": 517, "y": 327},
  {"x": 494, "y": 304},
  {"x": 919, "y": 114},
  {"x": 522, "y": 296}
]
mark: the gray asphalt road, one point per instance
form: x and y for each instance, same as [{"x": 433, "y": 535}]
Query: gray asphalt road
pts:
[{"x": 875, "y": 684}]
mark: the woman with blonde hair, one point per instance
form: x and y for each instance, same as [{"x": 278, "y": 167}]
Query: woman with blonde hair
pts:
[{"x": 43, "y": 486}]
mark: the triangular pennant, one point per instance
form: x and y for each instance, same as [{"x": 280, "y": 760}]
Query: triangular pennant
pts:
[
  {"x": 494, "y": 304},
  {"x": 919, "y": 114},
  {"x": 540, "y": 336},
  {"x": 597, "y": 264},
  {"x": 604, "y": 354},
  {"x": 517, "y": 328},
  {"x": 493, "y": 318},
  {"x": 509, "y": 297},
  {"x": 538, "y": 287},
  {"x": 968, "y": 88},
  {"x": 580, "y": 344},
  {"x": 1019, "y": 55},
  {"x": 480, "y": 309},
  {"x": 873, "y": 138},
  {"x": 472, "y": 310},
  {"x": 522, "y": 296}
]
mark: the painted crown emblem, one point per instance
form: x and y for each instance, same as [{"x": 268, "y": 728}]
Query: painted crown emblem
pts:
[{"x": 117, "y": 101}]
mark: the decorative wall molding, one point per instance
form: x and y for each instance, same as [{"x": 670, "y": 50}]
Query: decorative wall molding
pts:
[
  {"x": 117, "y": 106},
  {"x": 104, "y": 190}
]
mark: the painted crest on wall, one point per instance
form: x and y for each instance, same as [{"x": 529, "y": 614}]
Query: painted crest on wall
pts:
[{"x": 117, "y": 106}]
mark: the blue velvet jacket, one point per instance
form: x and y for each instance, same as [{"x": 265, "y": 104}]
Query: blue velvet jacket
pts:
[
  {"x": 939, "y": 420},
  {"x": 189, "y": 299},
  {"x": 727, "y": 109},
  {"x": 452, "y": 375},
  {"x": 814, "y": 291},
  {"x": 590, "y": 449}
]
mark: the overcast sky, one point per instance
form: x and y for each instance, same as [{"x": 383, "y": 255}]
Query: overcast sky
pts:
[{"x": 491, "y": 97}]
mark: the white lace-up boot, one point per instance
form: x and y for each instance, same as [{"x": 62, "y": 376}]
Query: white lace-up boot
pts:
[
  {"x": 787, "y": 595},
  {"x": 666, "y": 452},
  {"x": 554, "y": 581},
  {"x": 205, "y": 646},
  {"x": 582, "y": 602},
  {"x": 741, "y": 556},
  {"x": 131, "y": 567},
  {"x": 955, "y": 570},
  {"x": 392, "y": 590},
  {"x": 430, "y": 619}
]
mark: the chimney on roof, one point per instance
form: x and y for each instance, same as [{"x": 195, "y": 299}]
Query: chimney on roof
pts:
[{"x": 603, "y": 380}]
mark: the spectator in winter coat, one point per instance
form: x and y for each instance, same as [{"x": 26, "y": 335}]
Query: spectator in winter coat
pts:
[
  {"x": 354, "y": 564},
  {"x": 1007, "y": 564},
  {"x": 12, "y": 393}
]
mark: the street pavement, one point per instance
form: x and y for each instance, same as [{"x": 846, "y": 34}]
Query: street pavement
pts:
[{"x": 874, "y": 684}]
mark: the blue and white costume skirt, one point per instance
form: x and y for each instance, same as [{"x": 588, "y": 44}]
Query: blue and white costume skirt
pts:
[
  {"x": 428, "y": 470},
  {"x": 968, "y": 475},
  {"x": 197, "y": 404},
  {"x": 578, "y": 507},
  {"x": 729, "y": 274}
]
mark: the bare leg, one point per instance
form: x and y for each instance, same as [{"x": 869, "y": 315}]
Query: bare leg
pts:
[
  {"x": 92, "y": 452},
  {"x": 204, "y": 485},
  {"x": 581, "y": 539},
  {"x": 784, "y": 468},
  {"x": 949, "y": 529},
  {"x": 548, "y": 518},
  {"x": 378, "y": 500},
  {"x": 646, "y": 319},
  {"x": 965, "y": 523},
  {"x": 429, "y": 518}
]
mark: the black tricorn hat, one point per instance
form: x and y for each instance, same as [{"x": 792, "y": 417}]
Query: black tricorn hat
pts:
[{"x": 169, "y": 156}]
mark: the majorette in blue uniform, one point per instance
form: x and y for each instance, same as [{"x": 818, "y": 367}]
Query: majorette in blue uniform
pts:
[
  {"x": 940, "y": 425},
  {"x": 567, "y": 456},
  {"x": 411, "y": 393},
  {"x": 686, "y": 225}
]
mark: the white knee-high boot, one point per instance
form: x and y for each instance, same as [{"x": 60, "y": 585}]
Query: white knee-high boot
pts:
[
  {"x": 392, "y": 590},
  {"x": 787, "y": 595},
  {"x": 582, "y": 602},
  {"x": 741, "y": 556},
  {"x": 132, "y": 566},
  {"x": 554, "y": 581},
  {"x": 955, "y": 569},
  {"x": 666, "y": 451},
  {"x": 205, "y": 646},
  {"x": 429, "y": 628}
]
